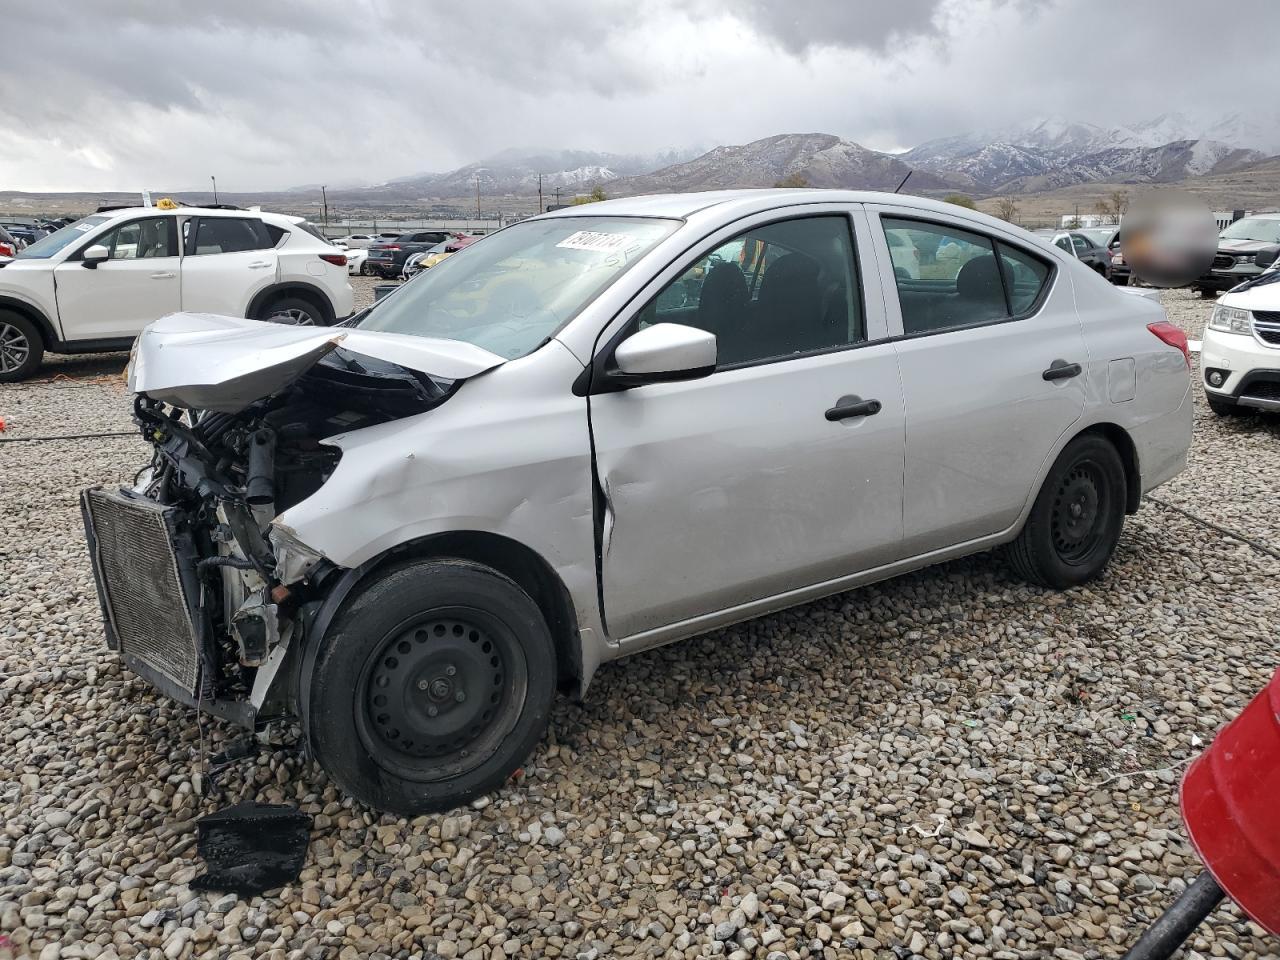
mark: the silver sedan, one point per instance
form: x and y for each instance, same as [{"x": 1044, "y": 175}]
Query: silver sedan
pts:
[{"x": 604, "y": 429}]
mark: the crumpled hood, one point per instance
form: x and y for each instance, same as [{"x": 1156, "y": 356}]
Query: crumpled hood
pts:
[{"x": 210, "y": 362}]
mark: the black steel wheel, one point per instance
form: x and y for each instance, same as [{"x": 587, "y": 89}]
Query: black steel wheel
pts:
[
  {"x": 441, "y": 691},
  {"x": 1077, "y": 517},
  {"x": 431, "y": 687}
]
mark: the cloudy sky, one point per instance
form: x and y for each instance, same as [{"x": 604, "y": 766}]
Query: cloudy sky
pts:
[{"x": 277, "y": 93}]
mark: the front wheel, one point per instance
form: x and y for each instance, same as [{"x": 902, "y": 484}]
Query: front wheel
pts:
[
  {"x": 432, "y": 687},
  {"x": 1075, "y": 523},
  {"x": 21, "y": 347},
  {"x": 364, "y": 269}
]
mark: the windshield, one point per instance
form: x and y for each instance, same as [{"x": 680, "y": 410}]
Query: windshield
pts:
[
  {"x": 45, "y": 248},
  {"x": 513, "y": 290},
  {"x": 1253, "y": 228}
]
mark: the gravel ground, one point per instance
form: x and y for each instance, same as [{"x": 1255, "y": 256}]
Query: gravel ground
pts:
[{"x": 951, "y": 764}]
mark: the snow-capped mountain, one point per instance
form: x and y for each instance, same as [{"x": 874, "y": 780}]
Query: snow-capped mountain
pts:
[
  {"x": 821, "y": 159},
  {"x": 1046, "y": 153}
]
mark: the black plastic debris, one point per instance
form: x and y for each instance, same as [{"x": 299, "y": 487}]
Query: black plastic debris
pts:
[{"x": 251, "y": 848}]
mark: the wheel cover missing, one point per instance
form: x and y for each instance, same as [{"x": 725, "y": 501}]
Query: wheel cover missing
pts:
[{"x": 440, "y": 693}]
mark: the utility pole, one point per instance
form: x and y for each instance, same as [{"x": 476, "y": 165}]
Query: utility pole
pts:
[
  {"x": 324, "y": 199},
  {"x": 215, "y": 189},
  {"x": 477, "y": 196},
  {"x": 557, "y": 196},
  {"x": 540, "y": 210}
]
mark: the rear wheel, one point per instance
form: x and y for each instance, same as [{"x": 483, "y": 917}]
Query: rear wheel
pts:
[
  {"x": 432, "y": 687},
  {"x": 1075, "y": 523},
  {"x": 293, "y": 311},
  {"x": 21, "y": 347}
]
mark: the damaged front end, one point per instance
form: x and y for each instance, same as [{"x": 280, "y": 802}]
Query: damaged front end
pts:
[{"x": 201, "y": 592}]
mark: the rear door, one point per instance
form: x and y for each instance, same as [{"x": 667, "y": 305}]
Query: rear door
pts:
[
  {"x": 987, "y": 349},
  {"x": 227, "y": 261},
  {"x": 753, "y": 481},
  {"x": 138, "y": 284}
]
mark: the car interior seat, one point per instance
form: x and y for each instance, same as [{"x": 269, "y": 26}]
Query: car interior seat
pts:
[{"x": 722, "y": 307}]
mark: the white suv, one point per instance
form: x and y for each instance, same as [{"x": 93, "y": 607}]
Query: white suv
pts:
[
  {"x": 1240, "y": 354},
  {"x": 92, "y": 286}
]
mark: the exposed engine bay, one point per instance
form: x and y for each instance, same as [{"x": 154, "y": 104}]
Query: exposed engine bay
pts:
[{"x": 222, "y": 477}]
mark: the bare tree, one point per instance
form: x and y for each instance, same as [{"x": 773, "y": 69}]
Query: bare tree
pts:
[
  {"x": 1113, "y": 205},
  {"x": 1007, "y": 209}
]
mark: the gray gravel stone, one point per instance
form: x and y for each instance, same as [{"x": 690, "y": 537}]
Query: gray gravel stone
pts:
[{"x": 959, "y": 756}]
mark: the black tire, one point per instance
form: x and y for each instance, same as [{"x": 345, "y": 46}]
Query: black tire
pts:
[
  {"x": 385, "y": 719},
  {"x": 1204, "y": 291},
  {"x": 298, "y": 312},
  {"x": 1223, "y": 407},
  {"x": 364, "y": 269},
  {"x": 1075, "y": 523},
  {"x": 21, "y": 347}
]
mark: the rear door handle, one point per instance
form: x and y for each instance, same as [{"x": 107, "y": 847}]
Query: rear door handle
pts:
[
  {"x": 1061, "y": 370},
  {"x": 852, "y": 406},
  {"x": 163, "y": 276},
  {"x": 259, "y": 264}
]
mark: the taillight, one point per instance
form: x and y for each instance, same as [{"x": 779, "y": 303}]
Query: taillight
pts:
[
  {"x": 1171, "y": 335},
  {"x": 390, "y": 247},
  {"x": 6, "y": 250},
  {"x": 337, "y": 259}
]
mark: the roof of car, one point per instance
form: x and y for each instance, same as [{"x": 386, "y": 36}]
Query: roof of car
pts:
[
  {"x": 747, "y": 201},
  {"x": 202, "y": 211}
]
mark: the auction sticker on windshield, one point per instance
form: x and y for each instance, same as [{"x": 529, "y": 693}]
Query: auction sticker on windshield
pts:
[{"x": 593, "y": 240}]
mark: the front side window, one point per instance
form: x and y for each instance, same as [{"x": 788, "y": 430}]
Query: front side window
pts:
[
  {"x": 142, "y": 239},
  {"x": 770, "y": 293},
  {"x": 512, "y": 291},
  {"x": 227, "y": 235},
  {"x": 1081, "y": 244},
  {"x": 46, "y": 247},
  {"x": 949, "y": 278}
]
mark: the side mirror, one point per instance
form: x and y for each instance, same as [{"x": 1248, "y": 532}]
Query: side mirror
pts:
[
  {"x": 94, "y": 255},
  {"x": 1267, "y": 256},
  {"x": 664, "y": 352}
]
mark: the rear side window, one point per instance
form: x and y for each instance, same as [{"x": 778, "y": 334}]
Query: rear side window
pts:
[
  {"x": 949, "y": 278},
  {"x": 227, "y": 235},
  {"x": 1026, "y": 276}
]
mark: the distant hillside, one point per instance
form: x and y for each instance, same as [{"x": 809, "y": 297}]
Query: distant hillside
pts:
[{"x": 823, "y": 160}]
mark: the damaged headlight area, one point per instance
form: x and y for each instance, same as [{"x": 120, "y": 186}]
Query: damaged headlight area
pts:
[{"x": 201, "y": 592}]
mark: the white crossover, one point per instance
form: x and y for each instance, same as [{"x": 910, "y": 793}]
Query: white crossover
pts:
[{"x": 93, "y": 285}]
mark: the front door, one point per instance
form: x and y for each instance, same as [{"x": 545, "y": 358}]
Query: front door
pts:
[
  {"x": 993, "y": 372},
  {"x": 117, "y": 298},
  {"x": 773, "y": 473}
]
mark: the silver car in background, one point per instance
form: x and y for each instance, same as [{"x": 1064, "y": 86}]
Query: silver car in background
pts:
[{"x": 604, "y": 429}]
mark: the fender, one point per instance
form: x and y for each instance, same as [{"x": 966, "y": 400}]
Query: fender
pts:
[
  {"x": 34, "y": 314},
  {"x": 287, "y": 286},
  {"x": 576, "y": 667}
]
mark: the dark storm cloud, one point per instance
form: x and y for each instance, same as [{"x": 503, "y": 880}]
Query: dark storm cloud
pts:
[{"x": 272, "y": 93}]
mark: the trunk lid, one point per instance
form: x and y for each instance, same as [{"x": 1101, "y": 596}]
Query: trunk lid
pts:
[{"x": 210, "y": 362}]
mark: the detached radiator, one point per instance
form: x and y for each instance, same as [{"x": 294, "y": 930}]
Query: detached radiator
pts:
[{"x": 146, "y": 579}]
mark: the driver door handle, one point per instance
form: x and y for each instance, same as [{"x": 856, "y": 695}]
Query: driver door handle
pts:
[
  {"x": 1061, "y": 370},
  {"x": 163, "y": 276},
  {"x": 847, "y": 408}
]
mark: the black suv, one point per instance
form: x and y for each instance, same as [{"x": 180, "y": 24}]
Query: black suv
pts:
[{"x": 387, "y": 257}]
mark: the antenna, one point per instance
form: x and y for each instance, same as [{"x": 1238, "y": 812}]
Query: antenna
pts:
[{"x": 904, "y": 180}]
